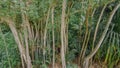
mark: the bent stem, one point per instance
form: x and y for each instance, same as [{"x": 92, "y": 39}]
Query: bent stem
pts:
[{"x": 86, "y": 60}]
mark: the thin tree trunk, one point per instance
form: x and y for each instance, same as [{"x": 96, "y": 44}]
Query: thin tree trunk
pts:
[
  {"x": 63, "y": 34},
  {"x": 53, "y": 36}
]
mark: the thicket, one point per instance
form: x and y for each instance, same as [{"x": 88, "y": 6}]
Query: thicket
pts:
[{"x": 56, "y": 33}]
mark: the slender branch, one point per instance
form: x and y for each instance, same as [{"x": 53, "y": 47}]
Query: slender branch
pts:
[{"x": 96, "y": 29}]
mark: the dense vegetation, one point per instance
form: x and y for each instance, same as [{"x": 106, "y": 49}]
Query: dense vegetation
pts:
[{"x": 59, "y": 33}]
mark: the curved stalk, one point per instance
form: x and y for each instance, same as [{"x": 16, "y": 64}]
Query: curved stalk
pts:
[
  {"x": 101, "y": 38},
  {"x": 96, "y": 29}
]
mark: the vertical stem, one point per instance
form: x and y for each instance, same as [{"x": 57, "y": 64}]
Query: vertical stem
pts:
[
  {"x": 63, "y": 34},
  {"x": 29, "y": 65},
  {"x": 53, "y": 38},
  {"x": 87, "y": 40},
  {"x": 27, "y": 33},
  {"x": 86, "y": 34},
  {"x": 45, "y": 34}
]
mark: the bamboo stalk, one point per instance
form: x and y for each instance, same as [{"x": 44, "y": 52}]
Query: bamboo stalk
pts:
[
  {"x": 86, "y": 35},
  {"x": 53, "y": 36},
  {"x": 63, "y": 34},
  {"x": 26, "y": 26},
  {"x": 17, "y": 39},
  {"x": 45, "y": 34},
  {"x": 97, "y": 26},
  {"x": 86, "y": 61},
  {"x": 106, "y": 58}
]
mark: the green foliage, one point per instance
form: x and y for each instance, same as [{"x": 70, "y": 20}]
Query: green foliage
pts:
[
  {"x": 69, "y": 65},
  {"x": 9, "y": 55},
  {"x": 76, "y": 12}
]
